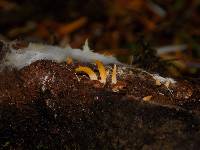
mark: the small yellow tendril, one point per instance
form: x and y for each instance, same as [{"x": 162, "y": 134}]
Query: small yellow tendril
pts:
[
  {"x": 114, "y": 75},
  {"x": 69, "y": 60},
  {"x": 147, "y": 98}
]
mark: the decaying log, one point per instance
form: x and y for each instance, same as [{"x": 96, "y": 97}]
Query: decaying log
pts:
[{"x": 49, "y": 105}]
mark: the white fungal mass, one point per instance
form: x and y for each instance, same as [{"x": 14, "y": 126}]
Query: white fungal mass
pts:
[
  {"x": 26, "y": 56},
  {"x": 162, "y": 79}
]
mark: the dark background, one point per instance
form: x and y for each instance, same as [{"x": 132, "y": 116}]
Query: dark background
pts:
[{"x": 124, "y": 28}]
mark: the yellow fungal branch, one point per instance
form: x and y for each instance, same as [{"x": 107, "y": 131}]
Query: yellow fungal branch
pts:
[
  {"x": 167, "y": 83},
  {"x": 69, "y": 60},
  {"x": 102, "y": 71},
  {"x": 147, "y": 98},
  {"x": 158, "y": 82},
  {"x": 116, "y": 86},
  {"x": 88, "y": 71},
  {"x": 114, "y": 75}
]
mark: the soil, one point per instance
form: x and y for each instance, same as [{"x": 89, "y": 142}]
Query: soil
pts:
[{"x": 47, "y": 105}]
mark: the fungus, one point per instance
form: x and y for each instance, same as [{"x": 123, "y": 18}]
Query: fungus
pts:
[
  {"x": 69, "y": 60},
  {"x": 158, "y": 82},
  {"x": 102, "y": 71},
  {"x": 114, "y": 75},
  {"x": 116, "y": 86},
  {"x": 167, "y": 83},
  {"x": 147, "y": 98},
  {"x": 88, "y": 71},
  {"x": 161, "y": 80}
]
